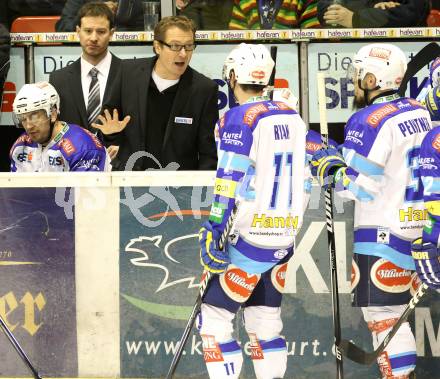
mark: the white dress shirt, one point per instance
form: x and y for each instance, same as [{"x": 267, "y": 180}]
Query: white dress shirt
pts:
[{"x": 104, "y": 68}]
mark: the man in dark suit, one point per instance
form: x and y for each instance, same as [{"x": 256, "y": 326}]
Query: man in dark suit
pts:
[
  {"x": 80, "y": 101},
  {"x": 172, "y": 108}
]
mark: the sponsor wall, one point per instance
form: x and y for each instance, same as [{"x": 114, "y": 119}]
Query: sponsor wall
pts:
[
  {"x": 159, "y": 269},
  {"x": 334, "y": 59},
  {"x": 37, "y": 282},
  {"x": 115, "y": 302},
  {"x": 132, "y": 294},
  {"x": 331, "y": 58},
  {"x": 207, "y": 59}
]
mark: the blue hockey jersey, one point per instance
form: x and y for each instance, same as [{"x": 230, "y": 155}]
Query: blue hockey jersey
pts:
[
  {"x": 72, "y": 149},
  {"x": 429, "y": 171}
]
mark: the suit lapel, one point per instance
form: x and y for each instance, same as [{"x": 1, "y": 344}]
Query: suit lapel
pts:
[
  {"x": 76, "y": 91},
  {"x": 115, "y": 66},
  {"x": 142, "y": 76},
  {"x": 179, "y": 102}
]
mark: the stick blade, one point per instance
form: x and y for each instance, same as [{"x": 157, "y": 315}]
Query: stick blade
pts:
[
  {"x": 356, "y": 354},
  {"x": 420, "y": 60}
]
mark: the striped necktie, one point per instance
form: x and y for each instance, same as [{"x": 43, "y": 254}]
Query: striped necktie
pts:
[{"x": 93, "y": 105}]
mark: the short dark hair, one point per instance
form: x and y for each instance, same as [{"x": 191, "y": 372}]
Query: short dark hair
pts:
[
  {"x": 96, "y": 9},
  {"x": 181, "y": 22},
  {"x": 252, "y": 87}
]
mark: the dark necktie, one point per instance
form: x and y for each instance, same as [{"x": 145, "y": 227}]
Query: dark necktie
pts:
[{"x": 93, "y": 105}]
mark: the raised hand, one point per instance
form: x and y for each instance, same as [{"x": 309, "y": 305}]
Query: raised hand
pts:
[{"x": 110, "y": 124}]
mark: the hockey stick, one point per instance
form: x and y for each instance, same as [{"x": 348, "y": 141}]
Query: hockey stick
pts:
[
  {"x": 330, "y": 231},
  {"x": 206, "y": 278},
  {"x": 271, "y": 84},
  {"x": 356, "y": 354},
  {"x": 19, "y": 349},
  {"x": 420, "y": 60}
]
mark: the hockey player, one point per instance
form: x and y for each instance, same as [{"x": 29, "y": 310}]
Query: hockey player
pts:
[
  {"x": 431, "y": 97},
  {"x": 378, "y": 170},
  {"x": 261, "y": 150},
  {"x": 49, "y": 144},
  {"x": 426, "y": 250},
  {"x": 433, "y": 80}
]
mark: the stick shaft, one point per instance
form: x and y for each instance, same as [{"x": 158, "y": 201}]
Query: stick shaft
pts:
[
  {"x": 271, "y": 84},
  {"x": 18, "y": 348},
  {"x": 330, "y": 230},
  {"x": 358, "y": 355},
  {"x": 204, "y": 283}
]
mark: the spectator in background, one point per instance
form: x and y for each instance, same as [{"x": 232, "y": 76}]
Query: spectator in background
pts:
[
  {"x": 172, "y": 108},
  {"x": 273, "y": 14},
  {"x": 373, "y": 13},
  {"x": 11, "y": 9},
  {"x": 85, "y": 84},
  {"x": 206, "y": 14},
  {"x": 128, "y": 15}
]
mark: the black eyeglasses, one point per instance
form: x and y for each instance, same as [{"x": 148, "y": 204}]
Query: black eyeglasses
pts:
[{"x": 177, "y": 48}]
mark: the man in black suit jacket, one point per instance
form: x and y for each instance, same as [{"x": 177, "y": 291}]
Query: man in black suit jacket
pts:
[
  {"x": 172, "y": 108},
  {"x": 95, "y": 29}
]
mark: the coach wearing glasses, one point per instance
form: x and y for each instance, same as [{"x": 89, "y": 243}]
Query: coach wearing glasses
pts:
[{"x": 169, "y": 109}]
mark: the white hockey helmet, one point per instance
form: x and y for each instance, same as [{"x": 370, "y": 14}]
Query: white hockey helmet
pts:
[
  {"x": 251, "y": 63},
  {"x": 385, "y": 61},
  {"x": 434, "y": 72},
  {"x": 33, "y": 97}
]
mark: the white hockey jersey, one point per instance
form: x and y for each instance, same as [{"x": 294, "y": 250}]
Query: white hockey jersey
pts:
[
  {"x": 381, "y": 149},
  {"x": 261, "y": 149}
]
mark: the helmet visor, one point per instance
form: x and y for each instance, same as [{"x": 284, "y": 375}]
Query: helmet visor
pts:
[
  {"x": 351, "y": 73},
  {"x": 33, "y": 117}
]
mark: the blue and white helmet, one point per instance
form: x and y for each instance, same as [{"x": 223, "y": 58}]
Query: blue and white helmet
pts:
[
  {"x": 251, "y": 63},
  {"x": 385, "y": 61},
  {"x": 36, "y": 96}
]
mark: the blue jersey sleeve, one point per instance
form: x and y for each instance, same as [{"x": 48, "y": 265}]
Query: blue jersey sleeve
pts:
[
  {"x": 314, "y": 143},
  {"x": 83, "y": 150},
  {"x": 89, "y": 160},
  {"x": 429, "y": 171},
  {"x": 234, "y": 141},
  {"x": 364, "y": 171}
]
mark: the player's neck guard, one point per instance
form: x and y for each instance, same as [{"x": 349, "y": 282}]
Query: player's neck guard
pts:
[
  {"x": 385, "y": 97},
  {"x": 254, "y": 99}
]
